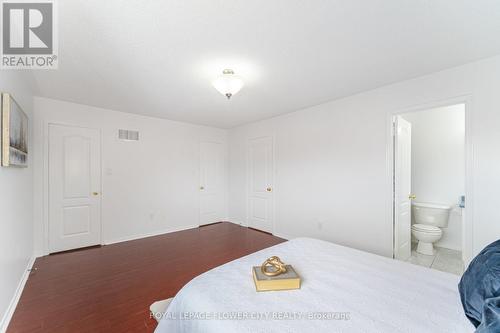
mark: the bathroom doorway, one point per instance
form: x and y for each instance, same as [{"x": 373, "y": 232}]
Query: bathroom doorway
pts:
[{"x": 429, "y": 187}]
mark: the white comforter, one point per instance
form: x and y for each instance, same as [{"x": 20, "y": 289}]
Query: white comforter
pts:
[{"x": 350, "y": 290}]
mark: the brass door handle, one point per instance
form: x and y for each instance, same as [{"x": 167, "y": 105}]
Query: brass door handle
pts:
[
  {"x": 202, "y": 188},
  {"x": 269, "y": 189},
  {"x": 95, "y": 193},
  {"x": 412, "y": 197}
]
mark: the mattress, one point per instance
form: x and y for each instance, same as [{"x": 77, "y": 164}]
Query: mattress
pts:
[{"x": 343, "y": 290}]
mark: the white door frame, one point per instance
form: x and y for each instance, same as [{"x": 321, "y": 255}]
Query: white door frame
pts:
[
  {"x": 45, "y": 185},
  {"x": 467, "y": 226},
  {"x": 247, "y": 190}
]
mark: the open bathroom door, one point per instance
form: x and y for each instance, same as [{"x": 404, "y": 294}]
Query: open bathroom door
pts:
[{"x": 402, "y": 189}]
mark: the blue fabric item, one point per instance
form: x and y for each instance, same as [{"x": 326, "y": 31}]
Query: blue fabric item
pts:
[
  {"x": 480, "y": 290},
  {"x": 491, "y": 316}
]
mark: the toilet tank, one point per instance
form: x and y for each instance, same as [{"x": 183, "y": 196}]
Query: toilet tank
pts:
[{"x": 431, "y": 214}]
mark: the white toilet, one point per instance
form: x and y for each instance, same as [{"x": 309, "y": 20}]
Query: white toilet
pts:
[{"x": 429, "y": 218}]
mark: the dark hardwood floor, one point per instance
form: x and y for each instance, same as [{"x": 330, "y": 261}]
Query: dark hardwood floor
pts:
[{"x": 110, "y": 288}]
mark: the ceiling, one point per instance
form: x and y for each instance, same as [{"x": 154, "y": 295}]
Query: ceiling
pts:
[{"x": 158, "y": 57}]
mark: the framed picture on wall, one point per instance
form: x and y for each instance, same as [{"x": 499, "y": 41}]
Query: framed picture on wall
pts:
[{"x": 14, "y": 133}]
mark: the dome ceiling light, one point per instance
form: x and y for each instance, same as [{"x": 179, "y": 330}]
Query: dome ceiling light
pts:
[{"x": 228, "y": 84}]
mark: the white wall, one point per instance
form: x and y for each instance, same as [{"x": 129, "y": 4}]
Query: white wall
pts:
[
  {"x": 438, "y": 163},
  {"x": 148, "y": 187},
  {"x": 332, "y": 160},
  {"x": 16, "y": 205}
]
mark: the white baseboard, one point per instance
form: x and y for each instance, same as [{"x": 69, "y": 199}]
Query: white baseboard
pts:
[
  {"x": 244, "y": 224},
  {"x": 150, "y": 234},
  {"x": 235, "y": 222},
  {"x": 287, "y": 237},
  {"x": 15, "y": 299}
]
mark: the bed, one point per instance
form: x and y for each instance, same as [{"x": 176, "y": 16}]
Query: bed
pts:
[{"x": 343, "y": 290}]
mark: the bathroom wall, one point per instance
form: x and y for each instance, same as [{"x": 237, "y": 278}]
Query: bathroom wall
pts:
[{"x": 438, "y": 163}]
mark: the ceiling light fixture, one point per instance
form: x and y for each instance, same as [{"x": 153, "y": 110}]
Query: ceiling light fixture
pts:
[{"x": 228, "y": 84}]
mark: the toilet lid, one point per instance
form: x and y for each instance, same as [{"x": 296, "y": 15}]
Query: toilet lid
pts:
[{"x": 426, "y": 228}]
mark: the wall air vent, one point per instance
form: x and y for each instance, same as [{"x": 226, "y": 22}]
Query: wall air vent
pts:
[{"x": 127, "y": 135}]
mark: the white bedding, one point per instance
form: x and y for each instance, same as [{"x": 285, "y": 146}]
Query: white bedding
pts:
[{"x": 371, "y": 293}]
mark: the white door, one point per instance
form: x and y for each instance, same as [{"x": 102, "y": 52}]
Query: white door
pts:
[
  {"x": 74, "y": 187},
  {"x": 212, "y": 184},
  {"x": 402, "y": 189},
  {"x": 260, "y": 179}
]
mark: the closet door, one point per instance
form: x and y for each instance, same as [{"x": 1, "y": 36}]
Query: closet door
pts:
[
  {"x": 74, "y": 187},
  {"x": 212, "y": 184},
  {"x": 260, "y": 179}
]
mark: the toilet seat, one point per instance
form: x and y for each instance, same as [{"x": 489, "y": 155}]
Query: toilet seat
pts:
[{"x": 429, "y": 229}]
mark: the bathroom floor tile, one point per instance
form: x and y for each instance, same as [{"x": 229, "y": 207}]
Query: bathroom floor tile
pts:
[
  {"x": 421, "y": 259},
  {"x": 445, "y": 260},
  {"x": 448, "y": 261}
]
